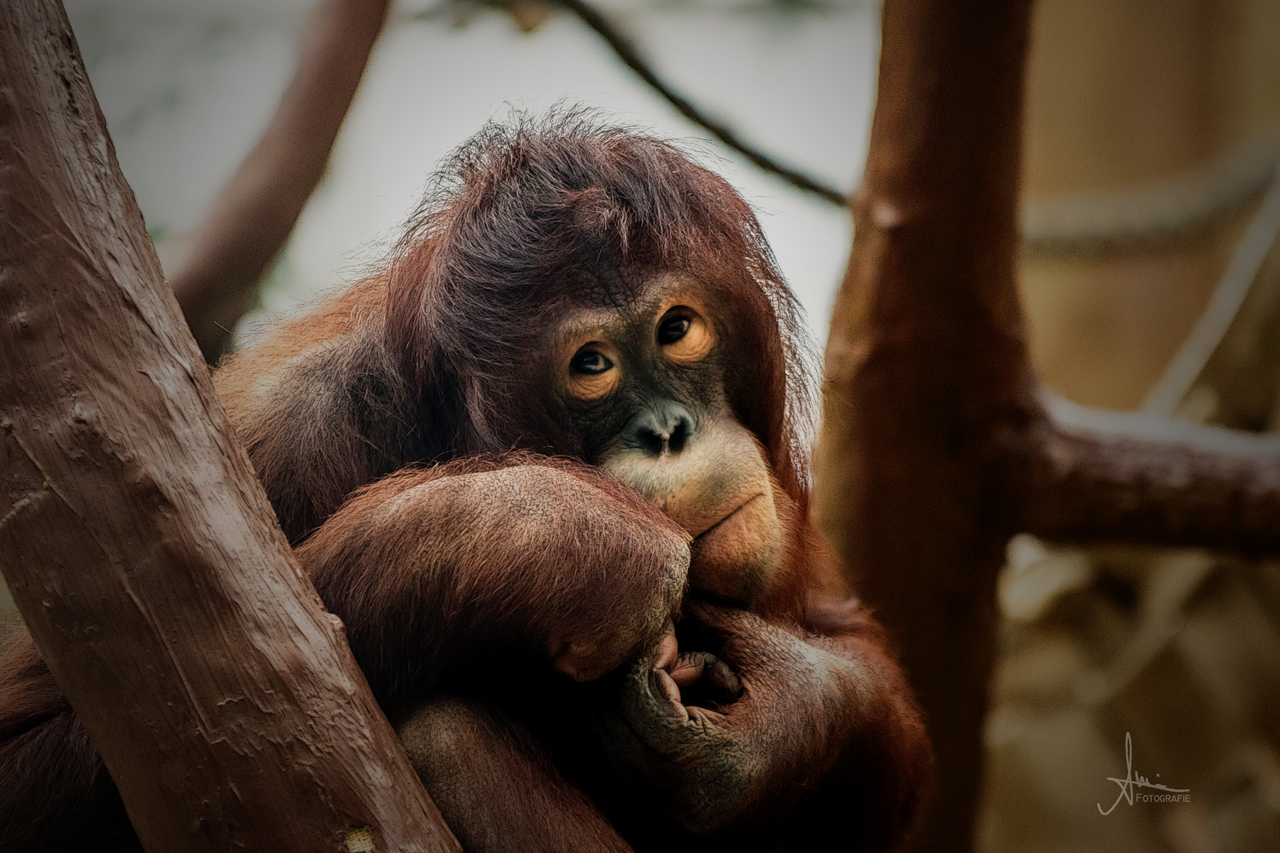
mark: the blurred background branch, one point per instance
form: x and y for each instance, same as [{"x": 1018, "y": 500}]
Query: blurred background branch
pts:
[{"x": 217, "y": 278}]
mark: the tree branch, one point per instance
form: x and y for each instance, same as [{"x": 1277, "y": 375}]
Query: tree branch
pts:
[
  {"x": 1106, "y": 475},
  {"x": 217, "y": 280},
  {"x": 630, "y": 56},
  {"x": 133, "y": 533},
  {"x": 935, "y": 447},
  {"x": 928, "y": 391}
]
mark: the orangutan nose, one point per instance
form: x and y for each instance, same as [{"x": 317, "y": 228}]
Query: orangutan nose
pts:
[{"x": 661, "y": 429}]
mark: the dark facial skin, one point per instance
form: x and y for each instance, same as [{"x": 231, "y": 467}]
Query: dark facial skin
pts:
[{"x": 642, "y": 386}]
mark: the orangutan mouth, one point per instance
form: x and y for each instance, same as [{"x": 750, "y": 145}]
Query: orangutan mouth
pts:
[{"x": 730, "y": 514}]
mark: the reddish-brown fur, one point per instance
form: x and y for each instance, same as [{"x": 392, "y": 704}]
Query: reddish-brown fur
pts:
[
  {"x": 430, "y": 369},
  {"x": 430, "y": 569}
]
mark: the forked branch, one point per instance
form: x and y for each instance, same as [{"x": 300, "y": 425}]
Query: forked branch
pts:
[{"x": 935, "y": 447}]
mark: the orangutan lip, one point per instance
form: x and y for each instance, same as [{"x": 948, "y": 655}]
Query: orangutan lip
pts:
[{"x": 740, "y": 507}]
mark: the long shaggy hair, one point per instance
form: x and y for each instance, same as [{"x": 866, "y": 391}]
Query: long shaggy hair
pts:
[{"x": 531, "y": 214}]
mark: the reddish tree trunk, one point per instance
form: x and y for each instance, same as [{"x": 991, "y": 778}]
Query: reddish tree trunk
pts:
[
  {"x": 925, "y": 368},
  {"x": 935, "y": 447},
  {"x": 133, "y": 533}
]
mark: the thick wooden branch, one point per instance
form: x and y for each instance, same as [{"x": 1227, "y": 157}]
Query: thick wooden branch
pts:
[
  {"x": 217, "y": 279},
  {"x": 927, "y": 389},
  {"x": 1106, "y": 475},
  {"x": 133, "y": 533},
  {"x": 935, "y": 447}
]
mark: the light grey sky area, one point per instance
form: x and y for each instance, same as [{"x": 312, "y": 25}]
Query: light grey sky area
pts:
[{"x": 188, "y": 85}]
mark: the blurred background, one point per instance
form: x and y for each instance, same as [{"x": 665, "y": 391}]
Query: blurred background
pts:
[
  {"x": 187, "y": 87},
  {"x": 1150, "y": 281}
]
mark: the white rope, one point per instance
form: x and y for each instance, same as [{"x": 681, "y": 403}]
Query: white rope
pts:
[{"x": 1100, "y": 220}]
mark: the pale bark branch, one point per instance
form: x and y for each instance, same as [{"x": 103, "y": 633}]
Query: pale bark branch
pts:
[
  {"x": 217, "y": 279},
  {"x": 133, "y": 534}
]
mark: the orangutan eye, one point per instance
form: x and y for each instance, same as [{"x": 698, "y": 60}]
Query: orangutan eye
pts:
[
  {"x": 590, "y": 362},
  {"x": 684, "y": 335},
  {"x": 672, "y": 329}
]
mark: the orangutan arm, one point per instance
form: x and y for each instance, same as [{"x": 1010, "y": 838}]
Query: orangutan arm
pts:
[{"x": 489, "y": 560}]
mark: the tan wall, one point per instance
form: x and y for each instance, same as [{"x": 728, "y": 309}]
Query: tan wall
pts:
[{"x": 1122, "y": 94}]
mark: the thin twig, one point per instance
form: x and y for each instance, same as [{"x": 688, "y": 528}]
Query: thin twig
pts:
[
  {"x": 630, "y": 56},
  {"x": 1205, "y": 339}
]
